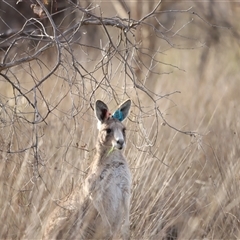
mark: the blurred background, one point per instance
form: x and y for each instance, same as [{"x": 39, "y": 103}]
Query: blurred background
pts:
[{"x": 177, "y": 61}]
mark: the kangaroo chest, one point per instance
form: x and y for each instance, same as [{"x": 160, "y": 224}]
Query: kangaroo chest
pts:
[{"x": 108, "y": 179}]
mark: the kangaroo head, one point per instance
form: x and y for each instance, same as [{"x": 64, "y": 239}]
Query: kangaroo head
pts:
[{"x": 110, "y": 126}]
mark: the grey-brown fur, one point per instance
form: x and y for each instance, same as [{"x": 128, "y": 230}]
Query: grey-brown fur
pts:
[{"x": 104, "y": 208}]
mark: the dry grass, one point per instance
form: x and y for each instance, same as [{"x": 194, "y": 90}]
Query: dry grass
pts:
[{"x": 183, "y": 187}]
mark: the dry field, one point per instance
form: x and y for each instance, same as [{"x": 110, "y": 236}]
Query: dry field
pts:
[{"x": 183, "y": 140}]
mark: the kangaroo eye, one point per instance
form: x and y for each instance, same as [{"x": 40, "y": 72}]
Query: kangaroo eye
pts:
[{"x": 108, "y": 130}]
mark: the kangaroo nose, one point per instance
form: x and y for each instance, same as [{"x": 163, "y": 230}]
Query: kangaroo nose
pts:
[{"x": 120, "y": 142}]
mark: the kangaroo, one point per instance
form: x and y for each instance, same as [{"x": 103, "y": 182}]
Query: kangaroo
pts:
[{"x": 104, "y": 211}]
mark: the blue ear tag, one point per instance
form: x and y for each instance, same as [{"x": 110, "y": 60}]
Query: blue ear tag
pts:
[{"x": 118, "y": 115}]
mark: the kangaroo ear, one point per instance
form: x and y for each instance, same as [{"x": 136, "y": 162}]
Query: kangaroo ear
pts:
[
  {"x": 101, "y": 111},
  {"x": 123, "y": 110}
]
